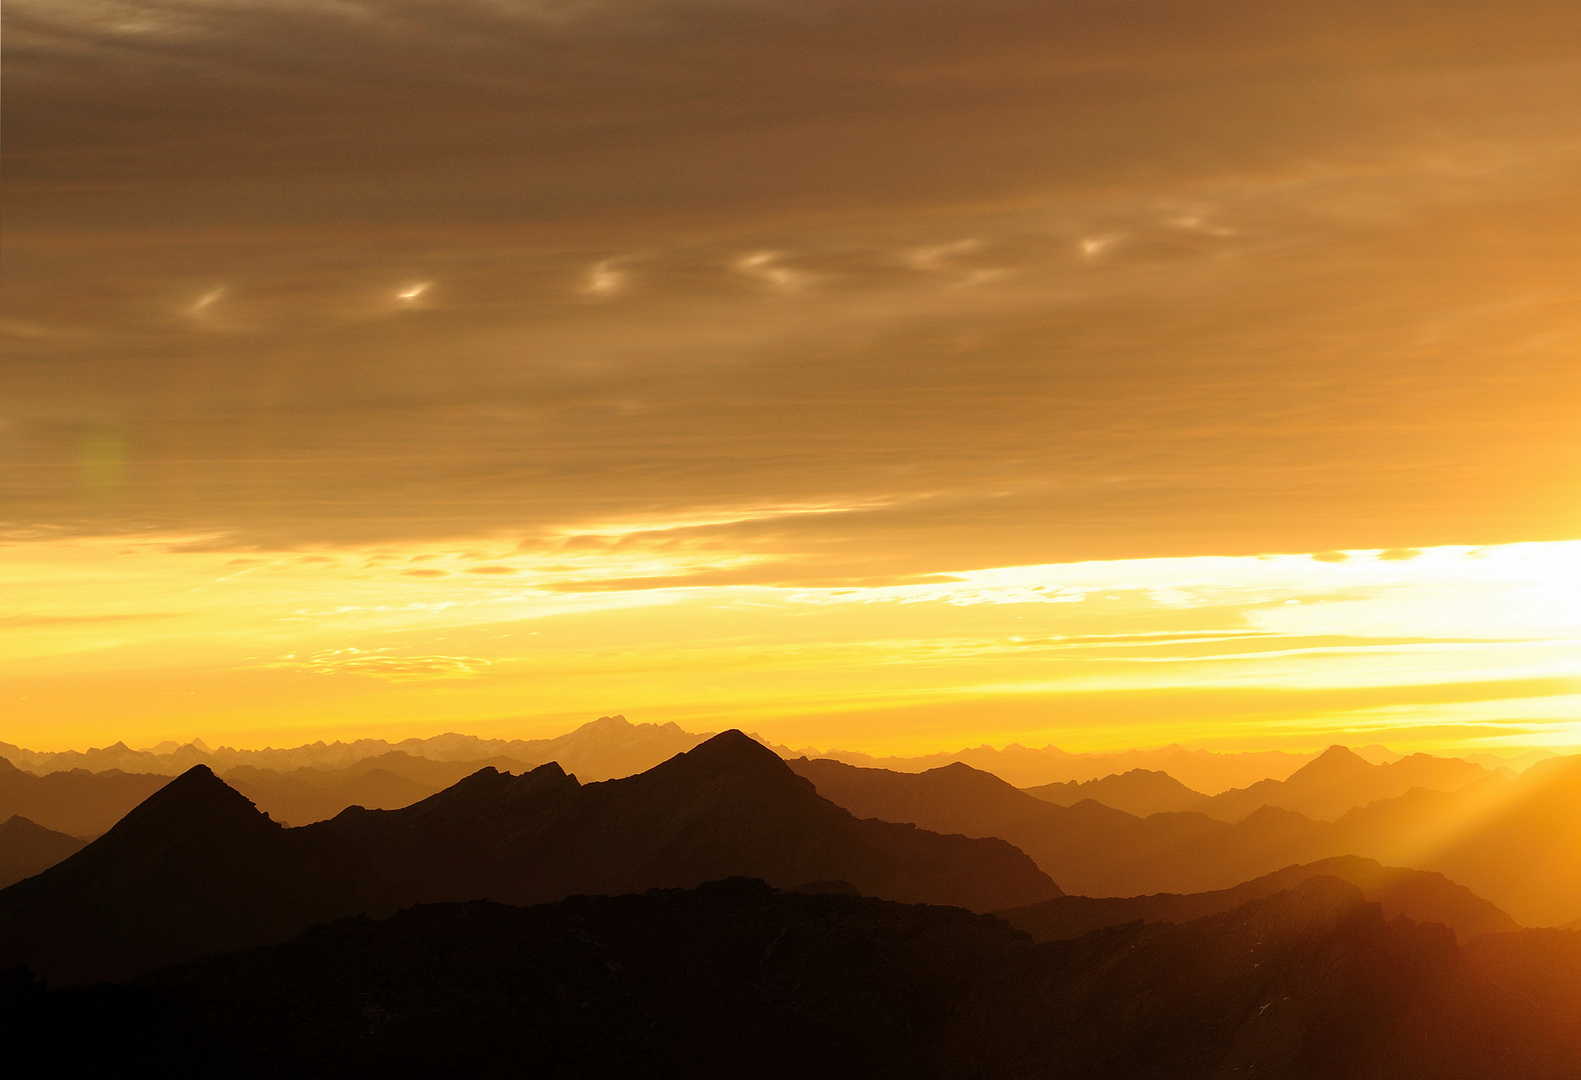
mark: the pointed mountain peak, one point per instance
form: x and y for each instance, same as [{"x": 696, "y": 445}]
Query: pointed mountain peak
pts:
[
  {"x": 197, "y": 800},
  {"x": 1335, "y": 759},
  {"x": 729, "y": 751}
]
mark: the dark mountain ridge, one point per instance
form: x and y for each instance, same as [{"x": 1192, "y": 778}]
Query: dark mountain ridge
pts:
[
  {"x": 729, "y": 806},
  {"x": 734, "y": 979},
  {"x": 1421, "y": 897},
  {"x": 196, "y": 869}
]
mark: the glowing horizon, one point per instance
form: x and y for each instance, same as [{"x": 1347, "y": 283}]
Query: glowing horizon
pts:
[{"x": 1287, "y": 651}]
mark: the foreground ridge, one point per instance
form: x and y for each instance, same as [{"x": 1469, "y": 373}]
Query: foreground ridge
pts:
[{"x": 735, "y": 979}]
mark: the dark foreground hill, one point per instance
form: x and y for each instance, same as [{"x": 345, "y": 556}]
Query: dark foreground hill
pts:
[
  {"x": 735, "y": 980},
  {"x": 197, "y": 870},
  {"x": 26, "y": 848},
  {"x": 1420, "y": 896}
]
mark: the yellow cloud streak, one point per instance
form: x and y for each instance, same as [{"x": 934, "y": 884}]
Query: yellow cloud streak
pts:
[{"x": 143, "y": 639}]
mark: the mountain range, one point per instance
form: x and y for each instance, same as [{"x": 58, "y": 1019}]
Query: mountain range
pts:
[
  {"x": 1337, "y": 780},
  {"x": 608, "y": 747},
  {"x": 1511, "y": 840},
  {"x": 196, "y": 869},
  {"x": 1023, "y": 766},
  {"x": 734, "y": 979},
  {"x": 611, "y": 746}
]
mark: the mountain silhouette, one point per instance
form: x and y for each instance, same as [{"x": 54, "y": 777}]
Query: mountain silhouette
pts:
[
  {"x": 193, "y": 870},
  {"x": 727, "y": 807},
  {"x": 1419, "y": 896},
  {"x": 1339, "y": 780},
  {"x": 1090, "y": 849},
  {"x": 733, "y": 979},
  {"x": 27, "y": 848},
  {"x": 1514, "y": 841},
  {"x": 1140, "y": 792},
  {"x": 196, "y": 869},
  {"x": 1028, "y": 767},
  {"x": 78, "y": 802}
]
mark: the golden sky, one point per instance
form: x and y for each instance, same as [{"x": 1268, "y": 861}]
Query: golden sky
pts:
[{"x": 885, "y": 375}]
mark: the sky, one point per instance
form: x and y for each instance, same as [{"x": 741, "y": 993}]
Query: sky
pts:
[{"x": 894, "y": 376}]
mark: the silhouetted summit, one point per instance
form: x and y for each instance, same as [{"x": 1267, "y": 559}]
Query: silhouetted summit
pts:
[
  {"x": 193, "y": 870},
  {"x": 728, "y": 807}
]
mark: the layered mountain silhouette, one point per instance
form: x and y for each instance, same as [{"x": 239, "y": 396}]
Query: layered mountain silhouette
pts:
[
  {"x": 1140, "y": 792},
  {"x": 196, "y": 869},
  {"x": 1421, "y": 897},
  {"x": 729, "y": 807},
  {"x": 76, "y": 802},
  {"x": 1324, "y": 788},
  {"x": 734, "y": 979},
  {"x": 1513, "y": 841},
  {"x": 1339, "y": 780},
  {"x": 27, "y": 848},
  {"x": 387, "y": 782},
  {"x": 1090, "y": 849}
]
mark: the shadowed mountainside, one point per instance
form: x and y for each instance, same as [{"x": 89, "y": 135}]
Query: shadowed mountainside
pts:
[
  {"x": 27, "y": 848},
  {"x": 1421, "y": 897},
  {"x": 733, "y": 979},
  {"x": 197, "y": 869}
]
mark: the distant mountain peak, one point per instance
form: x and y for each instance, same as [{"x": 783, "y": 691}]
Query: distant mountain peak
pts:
[{"x": 732, "y": 749}]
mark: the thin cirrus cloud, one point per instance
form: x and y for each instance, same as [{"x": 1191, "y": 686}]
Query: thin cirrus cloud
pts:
[{"x": 1006, "y": 286}]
